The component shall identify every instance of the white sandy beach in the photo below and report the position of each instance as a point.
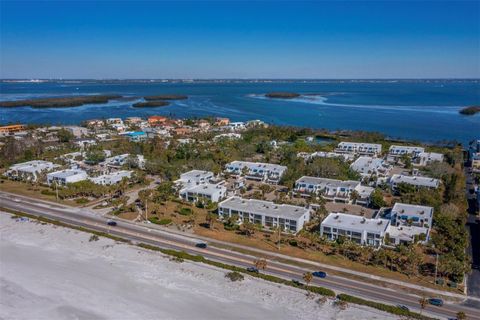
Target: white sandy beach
(49, 272)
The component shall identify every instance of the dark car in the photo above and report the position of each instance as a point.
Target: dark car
(252, 269)
(319, 274)
(112, 223)
(401, 306)
(435, 302)
(202, 245)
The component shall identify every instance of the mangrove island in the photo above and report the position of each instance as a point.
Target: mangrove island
(470, 111)
(282, 95)
(150, 104)
(166, 97)
(60, 102)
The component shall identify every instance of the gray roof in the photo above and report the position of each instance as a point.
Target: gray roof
(266, 208)
(66, 173)
(415, 180)
(412, 210)
(258, 165)
(207, 188)
(355, 223)
(323, 182)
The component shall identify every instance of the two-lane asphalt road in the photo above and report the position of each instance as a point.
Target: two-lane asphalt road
(142, 233)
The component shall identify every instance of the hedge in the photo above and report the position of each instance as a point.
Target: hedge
(383, 307)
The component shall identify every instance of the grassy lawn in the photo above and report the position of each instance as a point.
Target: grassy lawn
(29, 190)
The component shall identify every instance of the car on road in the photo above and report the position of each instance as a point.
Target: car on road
(112, 223)
(401, 306)
(202, 245)
(17, 200)
(319, 274)
(252, 269)
(435, 302)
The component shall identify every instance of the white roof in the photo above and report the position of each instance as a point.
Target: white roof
(66, 173)
(33, 166)
(207, 188)
(324, 182)
(368, 165)
(374, 146)
(266, 208)
(415, 180)
(405, 149)
(433, 156)
(412, 210)
(258, 166)
(406, 233)
(355, 223)
(195, 175)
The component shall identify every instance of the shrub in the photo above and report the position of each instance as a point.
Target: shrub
(47, 192)
(81, 200)
(185, 211)
(162, 222)
(93, 237)
(235, 276)
(382, 307)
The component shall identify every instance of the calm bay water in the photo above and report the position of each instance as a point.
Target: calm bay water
(425, 111)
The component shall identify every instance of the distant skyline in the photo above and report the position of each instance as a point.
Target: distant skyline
(202, 40)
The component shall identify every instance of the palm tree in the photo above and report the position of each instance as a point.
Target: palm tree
(423, 303)
(210, 219)
(307, 277)
(260, 264)
(461, 315)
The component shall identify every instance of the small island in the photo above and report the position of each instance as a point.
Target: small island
(282, 95)
(470, 111)
(150, 104)
(62, 102)
(166, 97)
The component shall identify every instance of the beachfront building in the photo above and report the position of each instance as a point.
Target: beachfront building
(268, 214)
(372, 149)
(236, 126)
(63, 177)
(396, 152)
(195, 185)
(133, 120)
(427, 158)
(410, 214)
(358, 229)
(84, 143)
(137, 136)
(222, 122)
(5, 130)
(111, 121)
(368, 167)
(30, 170)
(341, 191)
(416, 181)
(264, 172)
(111, 178)
(322, 154)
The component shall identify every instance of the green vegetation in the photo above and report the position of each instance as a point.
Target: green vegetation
(74, 101)
(166, 97)
(383, 307)
(64, 135)
(234, 276)
(149, 104)
(159, 221)
(185, 211)
(282, 95)
(469, 111)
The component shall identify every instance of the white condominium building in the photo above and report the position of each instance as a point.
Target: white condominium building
(398, 151)
(111, 178)
(360, 148)
(197, 184)
(368, 166)
(66, 176)
(30, 170)
(334, 190)
(426, 158)
(418, 182)
(265, 172)
(355, 228)
(268, 214)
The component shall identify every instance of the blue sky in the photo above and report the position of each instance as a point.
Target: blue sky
(227, 39)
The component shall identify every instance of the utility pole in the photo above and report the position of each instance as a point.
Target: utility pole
(436, 267)
(56, 189)
(279, 232)
(146, 208)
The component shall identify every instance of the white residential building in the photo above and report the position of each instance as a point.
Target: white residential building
(321, 154)
(111, 121)
(410, 214)
(111, 178)
(230, 135)
(197, 184)
(268, 214)
(355, 228)
(417, 181)
(359, 148)
(334, 190)
(265, 172)
(236, 126)
(63, 177)
(426, 158)
(405, 234)
(368, 166)
(29, 170)
(396, 152)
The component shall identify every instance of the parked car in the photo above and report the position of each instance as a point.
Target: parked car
(319, 274)
(252, 269)
(435, 302)
(202, 245)
(401, 306)
(112, 223)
